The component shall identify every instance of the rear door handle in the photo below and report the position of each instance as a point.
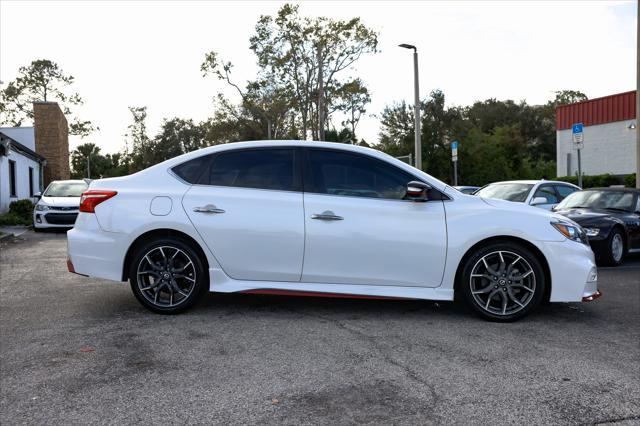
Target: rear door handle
(209, 208)
(326, 215)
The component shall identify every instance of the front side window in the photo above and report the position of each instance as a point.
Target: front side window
(517, 192)
(548, 193)
(254, 168)
(565, 190)
(354, 175)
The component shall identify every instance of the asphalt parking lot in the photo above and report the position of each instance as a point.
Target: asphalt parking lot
(76, 350)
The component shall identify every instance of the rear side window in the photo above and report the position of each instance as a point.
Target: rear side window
(258, 168)
(354, 175)
(191, 170)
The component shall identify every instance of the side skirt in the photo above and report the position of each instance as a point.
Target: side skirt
(221, 283)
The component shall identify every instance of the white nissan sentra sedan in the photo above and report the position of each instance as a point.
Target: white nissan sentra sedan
(295, 217)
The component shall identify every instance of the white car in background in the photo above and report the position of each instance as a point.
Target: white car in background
(58, 205)
(316, 218)
(545, 194)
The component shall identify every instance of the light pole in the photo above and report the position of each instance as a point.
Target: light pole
(416, 106)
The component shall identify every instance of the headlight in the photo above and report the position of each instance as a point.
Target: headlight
(572, 232)
(41, 207)
(592, 232)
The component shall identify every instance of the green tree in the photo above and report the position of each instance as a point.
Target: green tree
(41, 81)
(283, 99)
(137, 137)
(353, 100)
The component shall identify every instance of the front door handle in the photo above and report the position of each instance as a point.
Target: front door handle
(326, 215)
(209, 208)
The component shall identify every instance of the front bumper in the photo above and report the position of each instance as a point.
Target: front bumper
(573, 271)
(54, 219)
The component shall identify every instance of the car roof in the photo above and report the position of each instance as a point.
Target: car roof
(613, 189)
(68, 181)
(438, 184)
(533, 182)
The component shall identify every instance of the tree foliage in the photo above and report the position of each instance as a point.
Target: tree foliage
(41, 81)
(498, 140)
(290, 50)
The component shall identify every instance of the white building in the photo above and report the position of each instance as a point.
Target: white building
(609, 130)
(32, 157)
(20, 165)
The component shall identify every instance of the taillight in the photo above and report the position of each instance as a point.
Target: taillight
(91, 199)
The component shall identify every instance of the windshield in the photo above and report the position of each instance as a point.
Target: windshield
(619, 200)
(65, 189)
(506, 191)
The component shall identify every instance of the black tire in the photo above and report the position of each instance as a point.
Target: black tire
(180, 290)
(512, 292)
(610, 255)
(38, 229)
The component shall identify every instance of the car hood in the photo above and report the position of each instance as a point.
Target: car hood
(522, 208)
(61, 201)
(586, 216)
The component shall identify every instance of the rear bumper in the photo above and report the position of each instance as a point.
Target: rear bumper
(94, 252)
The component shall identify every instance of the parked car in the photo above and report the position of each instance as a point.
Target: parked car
(610, 218)
(295, 217)
(58, 205)
(467, 189)
(540, 193)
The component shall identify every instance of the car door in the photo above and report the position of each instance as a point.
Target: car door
(360, 230)
(248, 209)
(549, 193)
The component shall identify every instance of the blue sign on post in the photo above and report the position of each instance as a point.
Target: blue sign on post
(578, 135)
(454, 150)
(577, 128)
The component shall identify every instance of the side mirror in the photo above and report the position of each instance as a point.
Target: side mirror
(417, 191)
(539, 200)
(37, 195)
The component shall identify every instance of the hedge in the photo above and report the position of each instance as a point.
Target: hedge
(605, 180)
(20, 213)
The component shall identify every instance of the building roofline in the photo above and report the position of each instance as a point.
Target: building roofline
(24, 149)
(596, 99)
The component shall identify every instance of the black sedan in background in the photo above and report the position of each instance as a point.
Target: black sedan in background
(611, 219)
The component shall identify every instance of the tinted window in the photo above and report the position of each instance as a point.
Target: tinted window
(354, 175)
(191, 170)
(259, 168)
(547, 192)
(517, 192)
(565, 190)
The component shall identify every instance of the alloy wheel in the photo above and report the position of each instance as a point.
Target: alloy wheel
(502, 283)
(617, 247)
(166, 276)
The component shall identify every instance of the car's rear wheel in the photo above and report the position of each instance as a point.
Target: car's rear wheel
(502, 281)
(167, 275)
(615, 248)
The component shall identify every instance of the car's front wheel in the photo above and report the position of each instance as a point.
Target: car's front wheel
(502, 281)
(615, 248)
(167, 275)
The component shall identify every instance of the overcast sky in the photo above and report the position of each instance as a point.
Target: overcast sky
(149, 53)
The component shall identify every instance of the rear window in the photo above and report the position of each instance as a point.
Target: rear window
(191, 170)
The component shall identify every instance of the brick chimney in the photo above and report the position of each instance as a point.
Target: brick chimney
(51, 133)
